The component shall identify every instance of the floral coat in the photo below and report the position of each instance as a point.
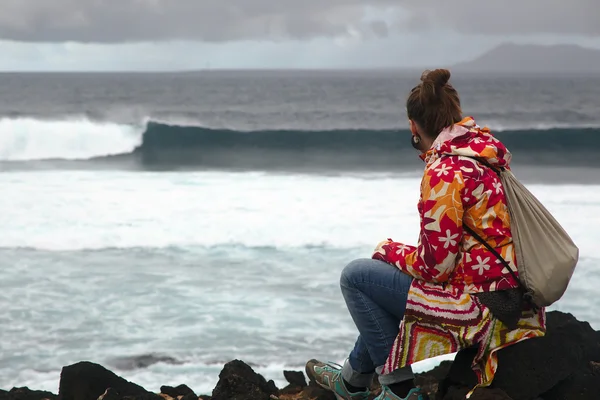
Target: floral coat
(449, 265)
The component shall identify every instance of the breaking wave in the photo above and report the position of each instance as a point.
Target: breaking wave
(158, 144)
(25, 139)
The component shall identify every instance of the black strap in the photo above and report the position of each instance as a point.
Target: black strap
(480, 239)
(527, 295)
(493, 251)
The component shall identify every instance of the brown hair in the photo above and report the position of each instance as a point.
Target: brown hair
(434, 103)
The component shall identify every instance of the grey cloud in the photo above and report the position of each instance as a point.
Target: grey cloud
(507, 17)
(110, 21)
(380, 28)
(208, 20)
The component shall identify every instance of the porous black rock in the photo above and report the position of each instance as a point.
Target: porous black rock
(88, 381)
(181, 390)
(238, 381)
(535, 367)
(24, 393)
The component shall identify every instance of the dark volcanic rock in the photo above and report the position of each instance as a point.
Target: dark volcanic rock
(24, 393)
(110, 394)
(563, 365)
(460, 377)
(490, 394)
(429, 381)
(238, 381)
(536, 366)
(295, 378)
(296, 381)
(582, 385)
(452, 392)
(87, 381)
(181, 390)
(311, 392)
(459, 393)
(145, 396)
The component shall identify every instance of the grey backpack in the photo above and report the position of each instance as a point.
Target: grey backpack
(546, 255)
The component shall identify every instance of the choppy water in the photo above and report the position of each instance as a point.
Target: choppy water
(205, 267)
(208, 264)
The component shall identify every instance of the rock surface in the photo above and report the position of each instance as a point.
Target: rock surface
(563, 365)
(89, 381)
(238, 381)
(25, 393)
(175, 392)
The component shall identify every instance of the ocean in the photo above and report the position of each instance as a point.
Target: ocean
(164, 224)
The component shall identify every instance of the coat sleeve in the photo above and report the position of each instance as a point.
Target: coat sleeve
(441, 213)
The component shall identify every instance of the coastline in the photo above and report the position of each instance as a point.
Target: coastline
(563, 365)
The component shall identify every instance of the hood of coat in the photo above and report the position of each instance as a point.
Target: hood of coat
(466, 138)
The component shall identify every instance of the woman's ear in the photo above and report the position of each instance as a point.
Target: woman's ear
(413, 127)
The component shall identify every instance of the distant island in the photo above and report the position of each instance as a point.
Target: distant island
(516, 58)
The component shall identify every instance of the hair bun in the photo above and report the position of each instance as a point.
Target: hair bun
(438, 77)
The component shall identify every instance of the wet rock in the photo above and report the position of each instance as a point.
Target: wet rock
(88, 381)
(24, 393)
(534, 367)
(238, 381)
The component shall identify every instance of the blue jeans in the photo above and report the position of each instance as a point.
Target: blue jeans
(376, 294)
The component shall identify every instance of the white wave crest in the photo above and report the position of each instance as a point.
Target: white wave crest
(24, 139)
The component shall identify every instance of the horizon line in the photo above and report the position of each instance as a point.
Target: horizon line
(459, 69)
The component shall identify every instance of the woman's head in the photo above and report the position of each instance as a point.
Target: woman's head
(432, 105)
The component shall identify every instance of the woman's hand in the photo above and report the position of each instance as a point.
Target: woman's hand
(378, 248)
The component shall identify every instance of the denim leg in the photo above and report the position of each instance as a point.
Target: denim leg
(359, 369)
(375, 294)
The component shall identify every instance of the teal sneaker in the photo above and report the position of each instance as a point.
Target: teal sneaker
(329, 376)
(414, 394)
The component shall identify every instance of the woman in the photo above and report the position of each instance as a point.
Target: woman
(449, 292)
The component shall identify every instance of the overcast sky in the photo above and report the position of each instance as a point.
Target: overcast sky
(190, 34)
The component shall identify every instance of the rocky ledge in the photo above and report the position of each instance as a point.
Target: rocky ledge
(563, 365)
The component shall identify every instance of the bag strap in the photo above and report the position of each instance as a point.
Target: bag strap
(497, 170)
(484, 242)
(493, 251)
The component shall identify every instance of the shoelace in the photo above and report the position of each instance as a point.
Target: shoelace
(332, 364)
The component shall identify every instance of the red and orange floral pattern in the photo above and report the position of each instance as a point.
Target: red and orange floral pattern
(448, 264)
